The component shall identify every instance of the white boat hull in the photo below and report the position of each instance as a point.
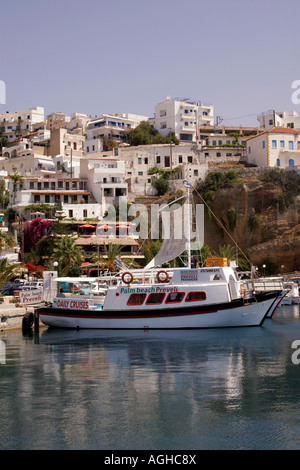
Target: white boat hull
(232, 314)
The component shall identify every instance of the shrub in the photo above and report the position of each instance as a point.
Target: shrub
(231, 215)
(254, 221)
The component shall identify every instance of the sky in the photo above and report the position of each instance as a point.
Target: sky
(97, 56)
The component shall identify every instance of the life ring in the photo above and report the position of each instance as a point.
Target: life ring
(162, 276)
(242, 290)
(125, 277)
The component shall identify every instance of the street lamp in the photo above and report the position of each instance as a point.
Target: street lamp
(264, 270)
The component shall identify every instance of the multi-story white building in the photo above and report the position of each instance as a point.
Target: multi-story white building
(278, 146)
(21, 122)
(109, 126)
(186, 160)
(289, 119)
(106, 179)
(183, 117)
(71, 194)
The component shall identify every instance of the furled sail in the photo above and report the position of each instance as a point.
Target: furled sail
(177, 234)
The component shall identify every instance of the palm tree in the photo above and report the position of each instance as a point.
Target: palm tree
(231, 253)
(8, 271)
(6, 241)
(17, 180)
(67, 254)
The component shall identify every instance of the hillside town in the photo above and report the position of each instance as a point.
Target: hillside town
(75, 167)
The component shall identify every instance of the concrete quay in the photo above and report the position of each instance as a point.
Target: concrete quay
(11, 315)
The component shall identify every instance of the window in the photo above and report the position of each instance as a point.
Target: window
(139, 161)
(194, 296)
(136, 299)
(278, 162)
(190, 159)
(298, 145)
(282, 144)
(47, 198)
(84, 213)
(180, 159)
(46, 185)
(264, 144)
(249, 149)
(270, 122)
(155, 298)
(274, 144)
(291, 145)
(158, 159)
(291, 162)
(70, 214)
(174, 297)
(31, 185)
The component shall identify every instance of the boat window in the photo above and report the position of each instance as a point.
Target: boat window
(217, 277)
(193, 296)
(155, 298)
(136, 299)
(175, 297)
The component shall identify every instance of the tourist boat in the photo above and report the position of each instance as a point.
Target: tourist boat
(155, 298)
(165, 299)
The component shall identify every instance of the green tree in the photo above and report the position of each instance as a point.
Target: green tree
(145, 134)
(231, 253)
(8, 270)
(6, 241)
(67, 254)
(3, 140)
(4, 195)
(112, 252)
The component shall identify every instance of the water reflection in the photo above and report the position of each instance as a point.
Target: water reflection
(209, 389)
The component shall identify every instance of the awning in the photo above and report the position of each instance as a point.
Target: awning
(86, 226)
(105, 227)
(46, 162)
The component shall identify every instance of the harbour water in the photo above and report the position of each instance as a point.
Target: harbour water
(154, 390)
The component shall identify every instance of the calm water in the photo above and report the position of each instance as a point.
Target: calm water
(155, 390)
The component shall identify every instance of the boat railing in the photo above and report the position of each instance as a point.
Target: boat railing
(263, 285)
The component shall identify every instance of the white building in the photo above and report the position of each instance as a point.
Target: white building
(72, 194)
(186, 159)
(278, 146)
(223, 145)
(109, 126)
(183, 117)
(106, 179)
(21, 122)
(289, 119)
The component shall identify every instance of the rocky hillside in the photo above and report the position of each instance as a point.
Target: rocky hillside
(261, 213)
